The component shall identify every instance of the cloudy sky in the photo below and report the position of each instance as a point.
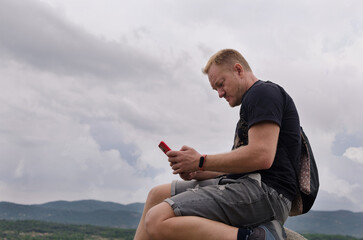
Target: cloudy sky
(88, 89)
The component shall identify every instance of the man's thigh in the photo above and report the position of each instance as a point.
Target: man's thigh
(179, 186)
(241, 203)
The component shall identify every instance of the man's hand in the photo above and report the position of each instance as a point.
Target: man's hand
(184, 161)
(200, 175)
(188, 176)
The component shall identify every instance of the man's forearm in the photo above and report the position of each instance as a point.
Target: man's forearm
(232, 162)
(257, 155)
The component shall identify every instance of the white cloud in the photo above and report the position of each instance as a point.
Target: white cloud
(355, 154)
(335, 185)
(340, 189)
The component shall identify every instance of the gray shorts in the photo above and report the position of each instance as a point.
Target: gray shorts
(243, 202)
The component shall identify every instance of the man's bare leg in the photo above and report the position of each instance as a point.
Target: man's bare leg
(161, 223)
(156, 196)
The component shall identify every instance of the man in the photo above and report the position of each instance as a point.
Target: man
(261, 181)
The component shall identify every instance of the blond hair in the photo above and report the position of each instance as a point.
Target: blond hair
(227, 57)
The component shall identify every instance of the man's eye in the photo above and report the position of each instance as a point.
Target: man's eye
(221, 83)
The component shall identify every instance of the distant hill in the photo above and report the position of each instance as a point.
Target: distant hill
(78, 212)
(112, 214)
(328, 222)
(92, 205)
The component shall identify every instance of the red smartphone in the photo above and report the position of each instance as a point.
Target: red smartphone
(164, 147)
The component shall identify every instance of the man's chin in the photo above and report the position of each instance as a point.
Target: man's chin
(233, 104)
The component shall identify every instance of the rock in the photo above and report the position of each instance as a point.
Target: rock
(291, 235)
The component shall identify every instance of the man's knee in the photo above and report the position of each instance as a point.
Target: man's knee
(154, 220)
(159, 193)
(152, 223)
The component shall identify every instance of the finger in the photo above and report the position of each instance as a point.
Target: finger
(172, 160)
(185, 176)
(177, 171)
(172, 153)
(184, 148)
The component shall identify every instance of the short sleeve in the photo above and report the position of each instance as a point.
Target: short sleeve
(264, 103)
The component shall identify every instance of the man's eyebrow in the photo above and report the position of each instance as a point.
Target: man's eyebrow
(215, 84)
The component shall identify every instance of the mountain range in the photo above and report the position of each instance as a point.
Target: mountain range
(108, 214)
(112, 214)
(328, 222)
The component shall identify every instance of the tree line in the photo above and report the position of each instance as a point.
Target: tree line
(38, 230)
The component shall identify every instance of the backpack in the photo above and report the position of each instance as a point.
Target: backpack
(308, 179)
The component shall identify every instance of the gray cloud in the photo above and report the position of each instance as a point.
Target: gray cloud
(85, 98)
(37, 35)
(331, 202)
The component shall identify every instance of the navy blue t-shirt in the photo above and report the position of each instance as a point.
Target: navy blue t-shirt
(267, 101)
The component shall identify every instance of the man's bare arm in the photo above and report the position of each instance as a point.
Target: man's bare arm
(258, 154)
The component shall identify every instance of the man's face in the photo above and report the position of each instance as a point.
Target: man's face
(227, 82)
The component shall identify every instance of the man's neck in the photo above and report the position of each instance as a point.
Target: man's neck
(250, 79)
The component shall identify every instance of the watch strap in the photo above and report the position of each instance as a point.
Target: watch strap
(202, 162)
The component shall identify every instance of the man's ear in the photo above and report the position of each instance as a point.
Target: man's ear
(238, 68)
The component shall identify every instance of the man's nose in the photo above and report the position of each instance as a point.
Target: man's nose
(221, 92)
